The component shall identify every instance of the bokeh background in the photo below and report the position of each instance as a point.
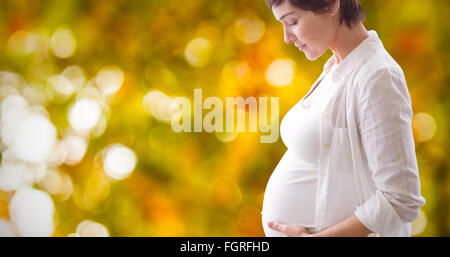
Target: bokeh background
(86, 90)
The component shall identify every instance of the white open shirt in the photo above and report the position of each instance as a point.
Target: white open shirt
(366, 129)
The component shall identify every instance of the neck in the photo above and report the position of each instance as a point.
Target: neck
(346, 40)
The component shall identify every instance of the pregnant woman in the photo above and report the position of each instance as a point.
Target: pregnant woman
(350, 168)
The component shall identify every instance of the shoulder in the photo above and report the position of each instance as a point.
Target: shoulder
(379, 72)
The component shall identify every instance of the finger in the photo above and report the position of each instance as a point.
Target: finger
(295, 230)
(277, 226)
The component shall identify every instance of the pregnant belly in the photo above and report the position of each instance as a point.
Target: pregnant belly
(290, 197)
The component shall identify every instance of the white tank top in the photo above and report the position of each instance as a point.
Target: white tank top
(290, 195)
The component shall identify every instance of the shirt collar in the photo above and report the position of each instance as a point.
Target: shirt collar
(357, 55)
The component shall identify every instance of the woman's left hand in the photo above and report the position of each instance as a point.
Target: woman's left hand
(289, 230)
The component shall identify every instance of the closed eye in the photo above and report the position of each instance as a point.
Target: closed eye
(293, 23)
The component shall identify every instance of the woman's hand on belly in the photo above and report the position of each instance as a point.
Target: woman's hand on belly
(289, 230)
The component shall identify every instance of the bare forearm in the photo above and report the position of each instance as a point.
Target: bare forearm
(350, 227)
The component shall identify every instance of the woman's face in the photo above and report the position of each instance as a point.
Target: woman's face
(311, 33)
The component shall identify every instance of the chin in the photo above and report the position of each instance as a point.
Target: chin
(312, 56)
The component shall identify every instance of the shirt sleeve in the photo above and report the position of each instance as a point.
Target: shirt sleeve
(384, 121)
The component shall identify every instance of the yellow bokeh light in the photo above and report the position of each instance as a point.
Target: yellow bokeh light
(58, 184)
(226, 136)
(236, 73)
(63, 43)
(35, 94)
(119, 161)
(62, 87)
(198, 52)
(88, 228)
(419, 225)
(109, 79)
(52, 182)
(18, 41)
(280, 72)
(95, 191)
(84, 114)
(249, 29)
(160, 106)
(75, 146)
(32, 211)
(424, 126)
(75, 75)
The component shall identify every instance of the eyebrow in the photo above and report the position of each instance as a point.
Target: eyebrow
(282, 17)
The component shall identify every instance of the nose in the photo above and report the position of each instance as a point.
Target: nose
(289, 37)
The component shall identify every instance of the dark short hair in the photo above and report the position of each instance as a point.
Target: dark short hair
(351, 11)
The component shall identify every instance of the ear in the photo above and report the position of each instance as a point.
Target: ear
(334, 8)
